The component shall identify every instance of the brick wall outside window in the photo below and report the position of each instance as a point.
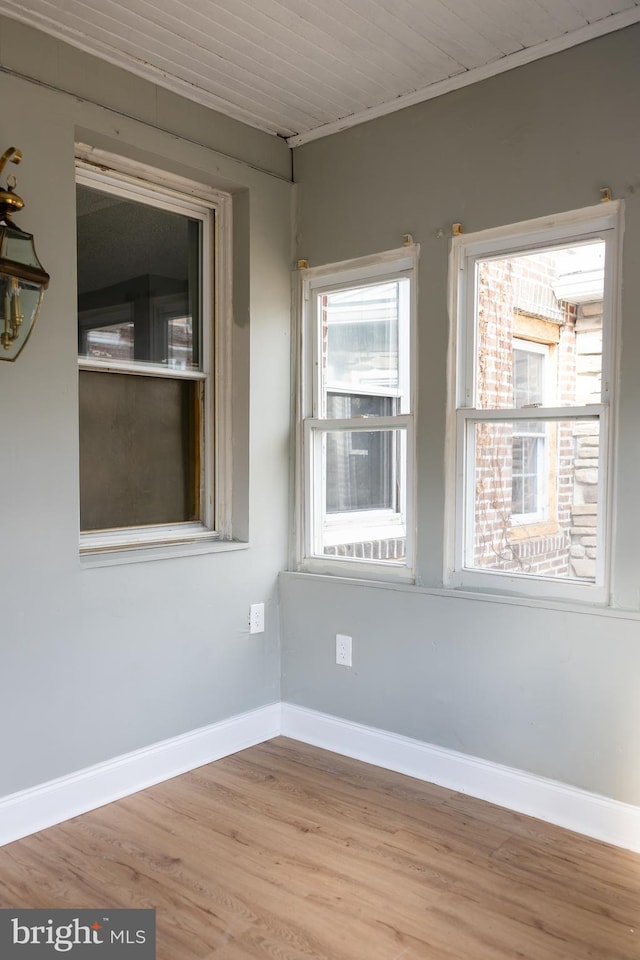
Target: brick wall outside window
(515, 299)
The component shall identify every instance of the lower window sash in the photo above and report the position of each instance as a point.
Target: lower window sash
(358, 504)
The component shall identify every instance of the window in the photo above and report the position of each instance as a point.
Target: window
(148, 448)
(529, 476)
(358, 405)
(530, 468)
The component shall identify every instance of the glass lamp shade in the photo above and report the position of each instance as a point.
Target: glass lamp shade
(22, 284)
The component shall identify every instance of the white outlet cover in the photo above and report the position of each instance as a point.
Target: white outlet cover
(256, 618)
(343, 650)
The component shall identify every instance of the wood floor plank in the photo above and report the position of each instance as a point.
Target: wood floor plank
(340, 798)
(288, 852)
(518, 824)
(319, 867)
(556, 910)
(281, 877)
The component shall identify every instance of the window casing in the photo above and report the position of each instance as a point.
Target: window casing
(151, 301)
(531, 404)
(356, 437)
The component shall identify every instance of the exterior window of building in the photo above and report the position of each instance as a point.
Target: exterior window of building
(529, 477)
(358, 405)
(146, 266)
(534, 328)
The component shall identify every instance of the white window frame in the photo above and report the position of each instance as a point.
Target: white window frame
(137, 181)
(604, 221)
(312, 423)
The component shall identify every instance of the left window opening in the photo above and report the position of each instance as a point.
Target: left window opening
(144, 286)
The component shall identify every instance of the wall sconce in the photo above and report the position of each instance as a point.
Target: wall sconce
(22, 278)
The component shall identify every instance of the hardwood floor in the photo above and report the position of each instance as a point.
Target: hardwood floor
(288, 852)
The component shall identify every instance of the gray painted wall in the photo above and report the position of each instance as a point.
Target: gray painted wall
(96, 662)
(552, 691)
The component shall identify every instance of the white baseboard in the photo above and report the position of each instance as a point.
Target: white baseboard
(559, 803)
(49, 803)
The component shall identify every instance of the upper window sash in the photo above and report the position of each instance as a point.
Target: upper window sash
(597, 223)
(171, 201)
(321, 383)
(316, 281)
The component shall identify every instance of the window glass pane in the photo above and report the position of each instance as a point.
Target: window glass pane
(360, 329)
(361, 471)
(528, 378)
(139, 443)
(364, 494)
(113, 341)
(554, 300)
(344, 405)
(138, 272)
(533, 507)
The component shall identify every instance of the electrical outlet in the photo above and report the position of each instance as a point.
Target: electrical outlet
(256, 618)
(343, 650)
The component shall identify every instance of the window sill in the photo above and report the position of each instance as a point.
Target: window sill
(147, 553)
(603, 609)
(543, 589)
(344, 568)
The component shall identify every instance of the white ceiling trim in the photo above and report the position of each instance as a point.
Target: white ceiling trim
(142, 69)
(616, 21)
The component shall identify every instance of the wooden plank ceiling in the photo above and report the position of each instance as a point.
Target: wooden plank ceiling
(304, 68)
